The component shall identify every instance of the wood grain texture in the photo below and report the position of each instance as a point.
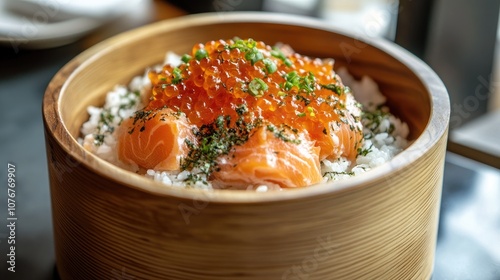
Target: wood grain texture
(110, 222)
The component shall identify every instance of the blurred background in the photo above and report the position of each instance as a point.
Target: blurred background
(459, 39)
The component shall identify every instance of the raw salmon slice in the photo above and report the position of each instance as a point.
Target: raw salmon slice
(270, 157)
(342, 137)
(154, 139)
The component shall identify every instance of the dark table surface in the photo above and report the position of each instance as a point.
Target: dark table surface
(468, 245)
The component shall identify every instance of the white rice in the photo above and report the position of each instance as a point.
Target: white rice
(383, 139)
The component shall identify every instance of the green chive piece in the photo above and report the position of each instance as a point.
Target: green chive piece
(257, 87)
(254, 55)
(239, 44)
(308, 82)
(177, 75)
(270, 65)
(276, 52)
(292, 79)
(243, 45)
(200, 54)
(288, 85)
(186, 58)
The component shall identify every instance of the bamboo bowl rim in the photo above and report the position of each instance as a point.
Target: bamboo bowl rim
(55, 126)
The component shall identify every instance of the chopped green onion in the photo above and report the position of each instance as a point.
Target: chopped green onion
(254, 55)
(186, 58)
(200, 54)
(276, 52)
(257, 87)
(288, 85)
(238, 44)
(251, 43)
(308, 83)
(243, 45)
(292, 79)
(177, 75)
(270, 65)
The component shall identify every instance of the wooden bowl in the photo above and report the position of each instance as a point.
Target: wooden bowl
(111, 223)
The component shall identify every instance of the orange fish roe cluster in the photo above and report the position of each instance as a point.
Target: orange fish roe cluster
(221, 77)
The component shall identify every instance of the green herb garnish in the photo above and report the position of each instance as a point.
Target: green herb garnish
(177, 77)
(308, 82)
(364, 152)
(305, 84)
(242, 109)
(186, 58)
(334, 87)
(257, 87)
(200, 54)
(331, 174)
(303, 99)
(270, 65)
(214, 140)
(243, 45)
(282, 133)
(276, 52)
(98, 139)
(254, 55)
(291, 79)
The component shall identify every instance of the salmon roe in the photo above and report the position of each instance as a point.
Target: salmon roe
(272, 84)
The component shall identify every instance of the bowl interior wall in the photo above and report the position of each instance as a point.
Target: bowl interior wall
(407, 96)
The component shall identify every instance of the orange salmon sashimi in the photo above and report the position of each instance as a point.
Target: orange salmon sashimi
(268, 159)
(154, 139)
(343, 138)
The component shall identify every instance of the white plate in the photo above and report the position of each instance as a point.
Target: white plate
(50, 23)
